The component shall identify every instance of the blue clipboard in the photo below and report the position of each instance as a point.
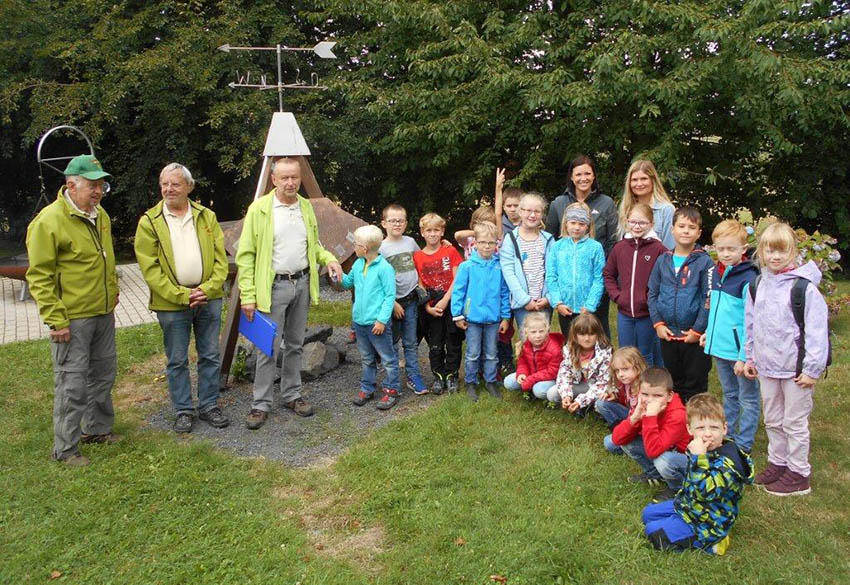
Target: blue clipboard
(260, 331)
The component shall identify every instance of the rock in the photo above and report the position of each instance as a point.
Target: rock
(340, 349)
(312, 359)
(318, 333)
(331, 360)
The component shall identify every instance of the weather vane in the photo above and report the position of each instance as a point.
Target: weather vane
(322, 49)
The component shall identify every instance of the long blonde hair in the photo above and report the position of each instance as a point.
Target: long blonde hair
(659, 194)
(627, 355)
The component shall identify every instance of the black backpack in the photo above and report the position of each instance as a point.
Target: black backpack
(798, 308)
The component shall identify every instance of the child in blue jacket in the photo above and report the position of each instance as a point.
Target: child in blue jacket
(725, 338)
(678, 287)
(481, 307)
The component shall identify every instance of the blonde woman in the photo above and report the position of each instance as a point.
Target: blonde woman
(644, 186)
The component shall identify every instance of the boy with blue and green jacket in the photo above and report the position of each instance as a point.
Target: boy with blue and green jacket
(725, 337)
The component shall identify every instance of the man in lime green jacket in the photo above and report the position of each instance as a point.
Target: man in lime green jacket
(180, 249)
(73, 281)
(278, 257)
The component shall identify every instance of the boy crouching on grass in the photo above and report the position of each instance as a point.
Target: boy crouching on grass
(481, 306)
(655, 434)
(704, 510)
(373, 281)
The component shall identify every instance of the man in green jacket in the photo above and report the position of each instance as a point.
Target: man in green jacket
(73, 281)
(180, 249)
(278, 258)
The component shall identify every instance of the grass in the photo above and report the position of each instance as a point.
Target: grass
(455, 494)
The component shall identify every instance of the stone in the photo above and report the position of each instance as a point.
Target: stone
(331, 360)
(340, 349)
(318, 333)
(312, 359)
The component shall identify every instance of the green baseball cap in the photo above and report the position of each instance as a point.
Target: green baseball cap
(87, 166)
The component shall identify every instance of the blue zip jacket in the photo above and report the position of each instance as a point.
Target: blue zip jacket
(679, 300)
(375, 291)
(725, 336)
(574, 273)
(513, 272)
(480, 293)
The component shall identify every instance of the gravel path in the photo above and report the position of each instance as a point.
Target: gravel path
(299, 441)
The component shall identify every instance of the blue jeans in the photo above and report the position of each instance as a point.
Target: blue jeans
(481, 338)
(176, 328)
(406, 330)
(371, 346)
(545, 389)
(612, 412)
(608, 442)
(670, 466)
(639, 332)
(741, 404)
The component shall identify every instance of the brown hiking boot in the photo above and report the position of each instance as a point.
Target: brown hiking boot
(256, 419)
(300, 407)
(108, 438)
(770, 474)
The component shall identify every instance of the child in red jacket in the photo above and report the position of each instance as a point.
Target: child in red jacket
(655, 434)
(539, 358)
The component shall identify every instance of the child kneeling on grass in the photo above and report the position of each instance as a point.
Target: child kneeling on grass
(585, 370)
(373, 280)
(655, 434)
(627, 365)
(703, 512)
(539, 359)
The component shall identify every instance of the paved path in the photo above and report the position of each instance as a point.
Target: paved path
(21, 322)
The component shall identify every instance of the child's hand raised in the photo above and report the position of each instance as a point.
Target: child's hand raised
(500, 179)
(655, 406)
(696, 446)
(637, 413)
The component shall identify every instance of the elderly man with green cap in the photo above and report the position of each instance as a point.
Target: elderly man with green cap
(73, 280)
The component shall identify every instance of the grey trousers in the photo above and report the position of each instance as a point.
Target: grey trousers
(290, 302)
(83, 375)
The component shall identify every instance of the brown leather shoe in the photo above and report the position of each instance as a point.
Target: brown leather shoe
(256, 419)
(300, 406)
(109, 438)
(75, 460)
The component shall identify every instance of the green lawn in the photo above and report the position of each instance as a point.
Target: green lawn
(455, 494)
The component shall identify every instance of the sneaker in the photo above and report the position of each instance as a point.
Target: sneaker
(667, 493)
(719, 547)
(388, 400)
(451, 383)
(256, 419)
(790, 484)
(183, 423)
(472, 391)
(215, 418)
(770, 474)
(108, 438)
(437, 386)
(493, 390)
(362, 398)
(644, 477)
(416, 385)
(76, 460)
(300, 407)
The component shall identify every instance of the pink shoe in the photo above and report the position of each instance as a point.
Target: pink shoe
(770, 474)
(790, 484)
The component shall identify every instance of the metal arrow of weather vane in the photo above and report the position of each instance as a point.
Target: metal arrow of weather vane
(322, 49)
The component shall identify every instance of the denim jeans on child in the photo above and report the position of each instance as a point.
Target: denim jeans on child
(481, 341)
(371, 346)
(670, 466)
(544, 390)
(613, 412)
(639, 332)
(741, 404)
(177, 327)
(406, 330)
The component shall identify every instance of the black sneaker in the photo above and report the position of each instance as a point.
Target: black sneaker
(493, 390)
(451, 383)
(667, 493)
(438, 385)
(362, 398)
(644, 477)
(472, 391)
(215, 418)
(184, 423)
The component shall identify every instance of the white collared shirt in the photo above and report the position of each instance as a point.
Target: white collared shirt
(289, 253)
(90, 215)
(188, 263)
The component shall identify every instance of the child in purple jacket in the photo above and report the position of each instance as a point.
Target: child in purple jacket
(772, 348)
